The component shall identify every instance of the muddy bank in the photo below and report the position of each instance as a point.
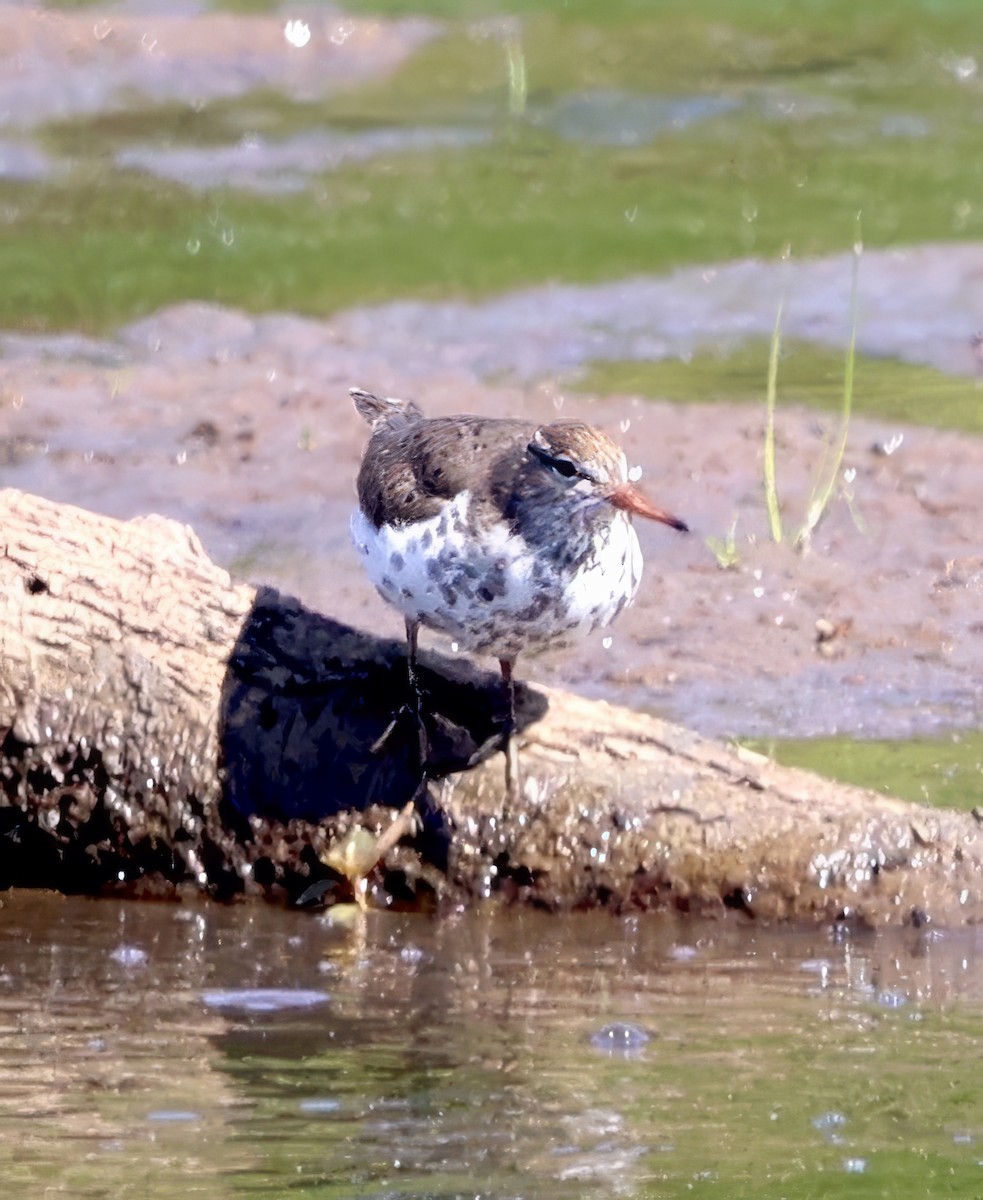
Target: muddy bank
(917, 304)
(241, 426)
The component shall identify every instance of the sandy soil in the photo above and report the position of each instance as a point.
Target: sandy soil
(242, 427)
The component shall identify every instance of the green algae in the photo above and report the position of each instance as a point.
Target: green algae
(809, 375)
(838, 111)
(945, 771)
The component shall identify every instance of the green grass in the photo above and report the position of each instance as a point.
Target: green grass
(809, 375)
(947, 772)
(792, 164)
(768, 457)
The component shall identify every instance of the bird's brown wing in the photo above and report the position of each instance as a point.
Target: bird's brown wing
(407, 473)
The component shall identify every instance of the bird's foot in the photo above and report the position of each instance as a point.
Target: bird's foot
(513, 774)
(401, 714)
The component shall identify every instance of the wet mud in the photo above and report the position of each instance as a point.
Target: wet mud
(242, 426)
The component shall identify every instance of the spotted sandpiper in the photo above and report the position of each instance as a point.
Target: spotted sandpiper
(509, 536)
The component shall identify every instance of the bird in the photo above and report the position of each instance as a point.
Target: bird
(510, 536)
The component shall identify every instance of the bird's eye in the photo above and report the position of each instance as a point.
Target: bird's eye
(562, 466)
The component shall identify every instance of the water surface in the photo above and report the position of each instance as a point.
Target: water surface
(168, 1050)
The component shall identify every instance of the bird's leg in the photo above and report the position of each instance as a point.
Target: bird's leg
(412, 629)
(416, 710)
(511, 747)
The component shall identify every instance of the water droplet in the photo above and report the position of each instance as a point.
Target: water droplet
(683, 953)
(607, 642)
(193, 245)
(343, 32)
(620, 1038)
(631, 214)
(319, 1104)
(828, 1121)
(263, 999)
(624, 425)
(297, 33)
(635, 474)
(228, 236)
(129, 956)
(962, 66)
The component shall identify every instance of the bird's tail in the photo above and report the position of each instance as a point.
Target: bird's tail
(383, 410)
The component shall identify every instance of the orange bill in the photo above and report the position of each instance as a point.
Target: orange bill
(628, 498)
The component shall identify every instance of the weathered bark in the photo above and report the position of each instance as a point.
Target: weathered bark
(161, 722)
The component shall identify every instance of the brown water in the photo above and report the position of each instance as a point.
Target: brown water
(186, 1050)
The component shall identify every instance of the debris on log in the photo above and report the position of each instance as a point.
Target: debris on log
(163, 725)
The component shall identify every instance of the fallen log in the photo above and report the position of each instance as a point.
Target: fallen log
(162, 724)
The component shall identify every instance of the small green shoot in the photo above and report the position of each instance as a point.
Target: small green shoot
(826, 478)
(518, 85)
(771, 486)
(822, 493)
(725, 550)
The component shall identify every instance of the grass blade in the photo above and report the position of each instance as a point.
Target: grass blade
(822, 495)
(771, 485)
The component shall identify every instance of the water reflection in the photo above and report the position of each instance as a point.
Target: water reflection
(462, 1057)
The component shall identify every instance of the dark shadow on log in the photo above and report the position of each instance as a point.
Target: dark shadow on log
(317, 721)
(307, 703)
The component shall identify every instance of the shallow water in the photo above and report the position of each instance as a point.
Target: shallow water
(170, 1050)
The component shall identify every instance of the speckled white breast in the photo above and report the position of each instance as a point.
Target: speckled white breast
(492, 592)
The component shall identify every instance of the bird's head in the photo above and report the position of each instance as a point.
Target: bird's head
(584, 463)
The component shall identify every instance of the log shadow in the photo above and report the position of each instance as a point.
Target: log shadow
(317, 721)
